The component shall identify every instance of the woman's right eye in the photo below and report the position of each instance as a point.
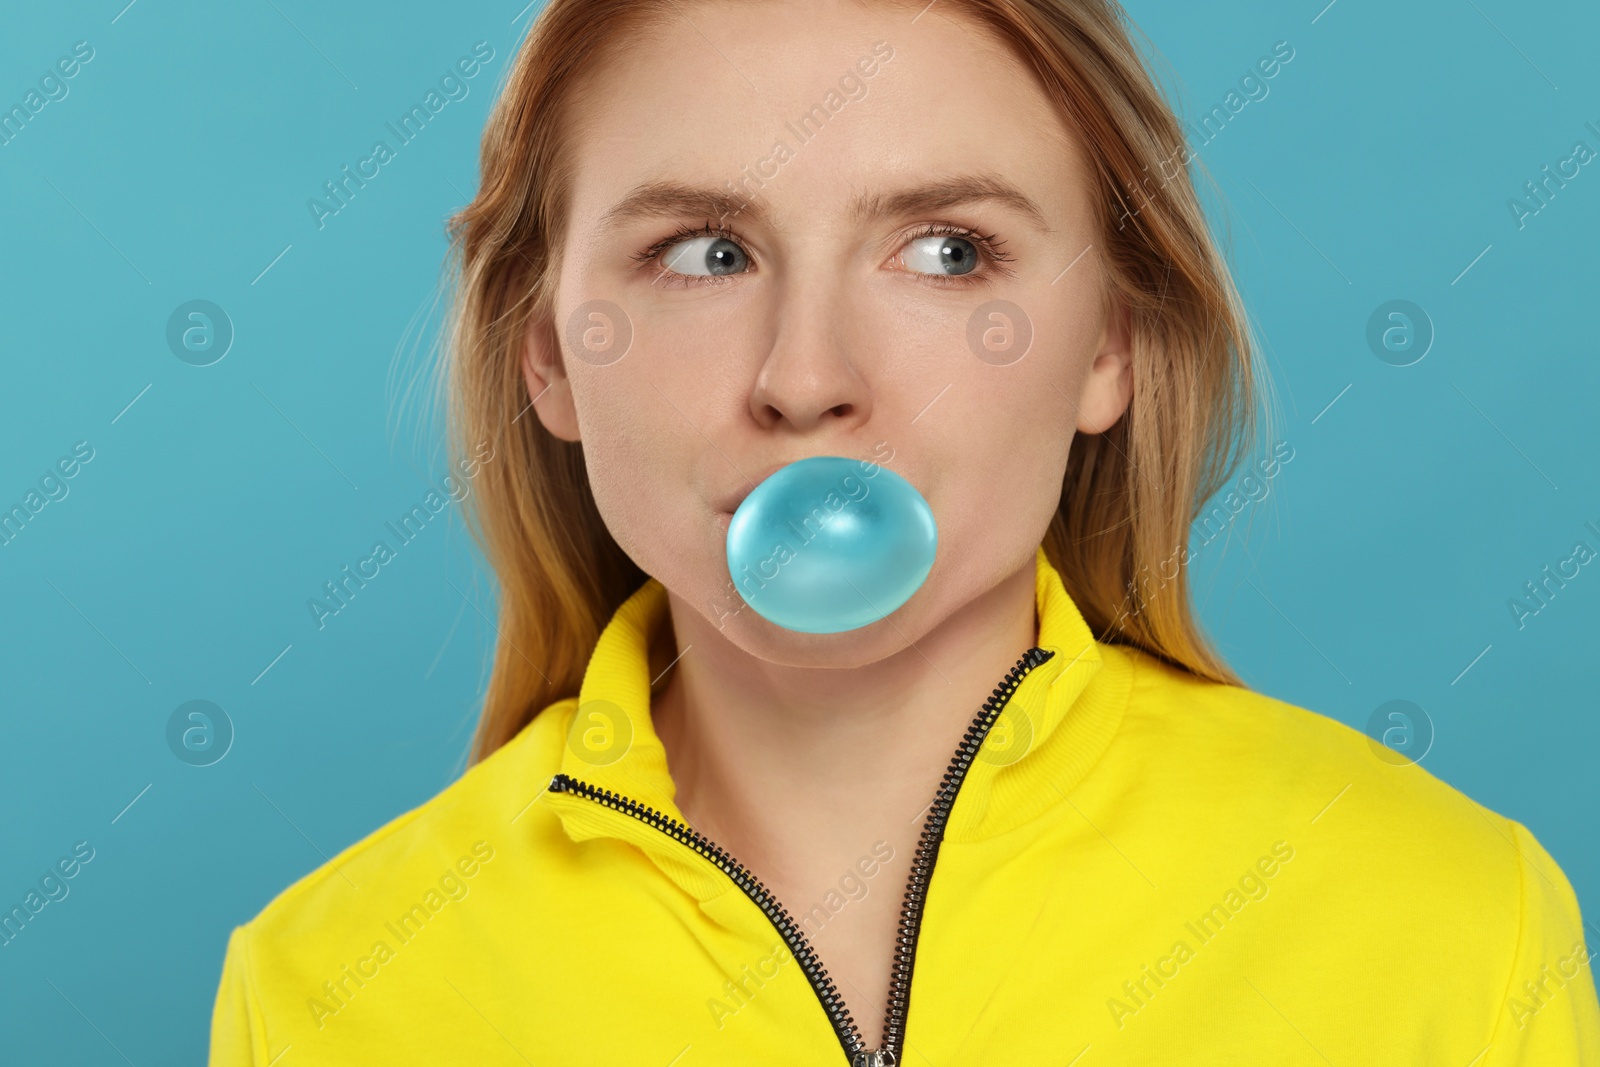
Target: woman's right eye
(709, 256)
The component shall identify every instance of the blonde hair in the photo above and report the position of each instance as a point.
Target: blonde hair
(1129, 494)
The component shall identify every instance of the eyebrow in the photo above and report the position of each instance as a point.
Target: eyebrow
(658, 198)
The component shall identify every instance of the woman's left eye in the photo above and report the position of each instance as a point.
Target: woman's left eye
(943, 254)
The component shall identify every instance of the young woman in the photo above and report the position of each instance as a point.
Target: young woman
(1027, 814)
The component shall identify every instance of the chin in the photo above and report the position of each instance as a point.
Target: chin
(758, 636)
(841, 651)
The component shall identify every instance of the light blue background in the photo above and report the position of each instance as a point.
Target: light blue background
(178, 567)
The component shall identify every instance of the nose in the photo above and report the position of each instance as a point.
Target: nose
(811, 373)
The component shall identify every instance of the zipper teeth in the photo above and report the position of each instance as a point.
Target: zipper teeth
(916, 888)
(894, 1023)
(832, 1003)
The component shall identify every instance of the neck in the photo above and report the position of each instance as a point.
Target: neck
(792, 768)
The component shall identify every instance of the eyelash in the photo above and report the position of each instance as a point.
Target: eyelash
(990, 247)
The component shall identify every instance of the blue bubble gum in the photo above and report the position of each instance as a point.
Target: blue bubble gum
(829, 544)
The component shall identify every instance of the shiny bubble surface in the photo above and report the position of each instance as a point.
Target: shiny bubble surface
(829, 544)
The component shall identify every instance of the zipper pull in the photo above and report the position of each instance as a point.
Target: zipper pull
(880, 1058)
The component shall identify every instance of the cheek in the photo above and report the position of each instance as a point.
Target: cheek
(633, 449)
(1007, 470)
(1004, 435)
(1002, 447)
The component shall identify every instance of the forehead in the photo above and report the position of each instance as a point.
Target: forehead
(820, 105)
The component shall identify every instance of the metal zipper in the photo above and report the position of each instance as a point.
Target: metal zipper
(894, 1025)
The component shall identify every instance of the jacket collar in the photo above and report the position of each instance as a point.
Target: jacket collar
(1060, 718)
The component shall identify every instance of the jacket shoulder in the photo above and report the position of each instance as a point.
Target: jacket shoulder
(1392, 867)
(1372, 821)
(1283, 751)
(450, 827)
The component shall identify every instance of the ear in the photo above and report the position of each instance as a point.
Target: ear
(1108, 389)
(549, 388)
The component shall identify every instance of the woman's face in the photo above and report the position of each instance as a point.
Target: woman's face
(872, 185)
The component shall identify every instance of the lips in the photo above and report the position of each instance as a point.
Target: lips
(733, 498)
(729, 502)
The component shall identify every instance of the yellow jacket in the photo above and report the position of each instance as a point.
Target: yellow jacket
(1138, 867)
